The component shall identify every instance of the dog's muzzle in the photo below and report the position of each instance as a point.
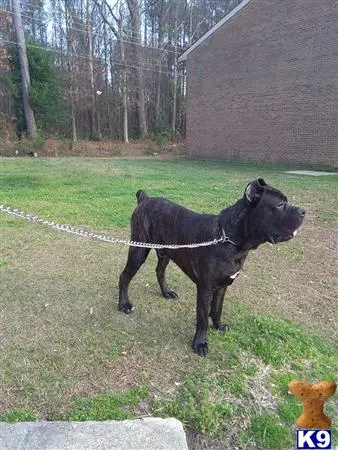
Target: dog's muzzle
(298, 217)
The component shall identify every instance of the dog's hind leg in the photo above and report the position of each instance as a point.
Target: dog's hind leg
(163, 261)
(216, 309)
(136, 257)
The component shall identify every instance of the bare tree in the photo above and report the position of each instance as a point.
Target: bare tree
(124, 81)
(33, 10)
(95, 122)
(24, 69)
(174, 113)
(116, 26)
(134, 9)
(117, 69)
(163, 9)
(70, 73)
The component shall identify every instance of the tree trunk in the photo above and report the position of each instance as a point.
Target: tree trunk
(93, 114)
(71, 75)
(159, 73)
(106, 82)
(125, 108)
(141, 103)
(134, 9)
(173, 123)
(124, 90)
(24, 70)
(74, 133)
(116, 28)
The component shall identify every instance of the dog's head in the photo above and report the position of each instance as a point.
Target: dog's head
(272, 217)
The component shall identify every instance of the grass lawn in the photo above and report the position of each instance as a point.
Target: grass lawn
(66, 352)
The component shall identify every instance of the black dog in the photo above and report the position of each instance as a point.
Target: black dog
(262, 215)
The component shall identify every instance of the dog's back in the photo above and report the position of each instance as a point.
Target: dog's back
(159, 220)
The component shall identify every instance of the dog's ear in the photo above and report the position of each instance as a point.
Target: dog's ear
(254, 190)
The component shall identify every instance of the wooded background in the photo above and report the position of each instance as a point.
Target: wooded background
(98, 69)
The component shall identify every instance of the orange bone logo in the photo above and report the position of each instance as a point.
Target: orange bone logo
(313, 397)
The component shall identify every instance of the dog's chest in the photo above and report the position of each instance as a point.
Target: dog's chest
(234, 276)
(226, 271)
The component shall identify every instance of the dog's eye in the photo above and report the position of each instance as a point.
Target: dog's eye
(280, 205)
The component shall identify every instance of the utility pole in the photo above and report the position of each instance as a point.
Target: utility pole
(24, 71)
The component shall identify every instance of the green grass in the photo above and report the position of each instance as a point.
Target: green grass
(200, 404)
(107, 406)
(86, 193)
(18, 415)
(277, 342)
(268, 431)
(207, 400)
(66, 351)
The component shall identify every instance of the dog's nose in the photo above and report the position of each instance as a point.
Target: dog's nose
(301, 212)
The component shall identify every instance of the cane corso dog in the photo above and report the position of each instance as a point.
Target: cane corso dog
(263, 214)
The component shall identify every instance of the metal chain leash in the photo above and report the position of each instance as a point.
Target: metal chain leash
(110, 239)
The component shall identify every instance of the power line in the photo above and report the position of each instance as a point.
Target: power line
(7, 11)
(99, 34)
(120, 63)
(60, 11)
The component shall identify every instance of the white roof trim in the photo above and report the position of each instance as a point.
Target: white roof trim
(241, 5)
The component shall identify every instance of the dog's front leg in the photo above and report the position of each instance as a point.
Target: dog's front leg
(216, 310)
(204, 297)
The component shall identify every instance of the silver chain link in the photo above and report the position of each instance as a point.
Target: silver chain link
(110, 239)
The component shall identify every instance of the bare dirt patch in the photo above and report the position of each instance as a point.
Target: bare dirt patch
(67, 148)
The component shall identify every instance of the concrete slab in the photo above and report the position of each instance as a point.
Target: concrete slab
(138, 434)
(312, 173)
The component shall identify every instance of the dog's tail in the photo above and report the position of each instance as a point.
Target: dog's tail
(141, 195)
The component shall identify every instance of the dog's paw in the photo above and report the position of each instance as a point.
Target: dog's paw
(170, 294)
(223, 327)
(200, 348)
(127, 308)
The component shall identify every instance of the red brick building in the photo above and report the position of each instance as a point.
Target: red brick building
(262, 85)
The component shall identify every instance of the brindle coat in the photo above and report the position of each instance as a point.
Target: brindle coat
(262, 215)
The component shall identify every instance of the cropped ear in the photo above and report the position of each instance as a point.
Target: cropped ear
(254, 190)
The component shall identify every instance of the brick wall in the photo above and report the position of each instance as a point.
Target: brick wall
(264, 86)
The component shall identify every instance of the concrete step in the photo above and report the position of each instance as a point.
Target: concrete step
(138, 434)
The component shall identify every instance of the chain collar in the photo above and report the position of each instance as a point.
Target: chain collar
(113, 240)
(227, 239)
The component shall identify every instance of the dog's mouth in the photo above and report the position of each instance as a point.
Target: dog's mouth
(289, 225)
(276, 239)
